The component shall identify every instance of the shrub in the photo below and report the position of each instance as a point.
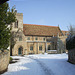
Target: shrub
(11, 58)
(70, 42)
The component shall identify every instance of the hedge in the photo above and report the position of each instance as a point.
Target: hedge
(70, 44)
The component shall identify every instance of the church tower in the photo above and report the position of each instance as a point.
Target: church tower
(17, 35)
(18, 25)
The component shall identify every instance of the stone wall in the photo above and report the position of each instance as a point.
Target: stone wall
(4, 61)
(71, 56)
(41, 41)
(35, 48)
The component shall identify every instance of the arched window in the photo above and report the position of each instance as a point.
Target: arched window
(16, 24)
(48, 47)
(20, 38)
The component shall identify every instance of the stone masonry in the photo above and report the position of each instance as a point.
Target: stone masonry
(4, 61)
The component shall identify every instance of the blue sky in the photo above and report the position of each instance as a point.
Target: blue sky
(46, 12)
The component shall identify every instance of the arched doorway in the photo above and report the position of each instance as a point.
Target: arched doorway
(20, 50)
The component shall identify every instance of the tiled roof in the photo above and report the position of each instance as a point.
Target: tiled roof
(65, 32)
(40, 30)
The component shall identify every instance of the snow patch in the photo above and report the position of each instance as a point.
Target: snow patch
(41, 64)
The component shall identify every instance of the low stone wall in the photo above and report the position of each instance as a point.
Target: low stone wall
(51, 51)
(71, 56)
(4, 61)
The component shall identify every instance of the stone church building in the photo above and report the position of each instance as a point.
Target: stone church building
(34, 39)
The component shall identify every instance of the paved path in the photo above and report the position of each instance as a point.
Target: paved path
(46, 70)
(27, 66)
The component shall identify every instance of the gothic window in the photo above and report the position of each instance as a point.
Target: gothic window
(40, 47)
(20, 38)
(16, 24)
(48, 47)
(31, 48)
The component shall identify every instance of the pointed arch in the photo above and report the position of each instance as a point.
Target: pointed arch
(20, 50)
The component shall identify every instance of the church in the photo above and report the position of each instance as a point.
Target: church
(34, 39)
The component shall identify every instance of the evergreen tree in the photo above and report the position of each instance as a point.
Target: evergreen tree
(6, 19)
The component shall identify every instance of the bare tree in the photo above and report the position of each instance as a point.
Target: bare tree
(70, 41)
(72, 29)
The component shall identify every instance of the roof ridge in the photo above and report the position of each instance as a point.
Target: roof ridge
(40, 25)
(64, 30)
